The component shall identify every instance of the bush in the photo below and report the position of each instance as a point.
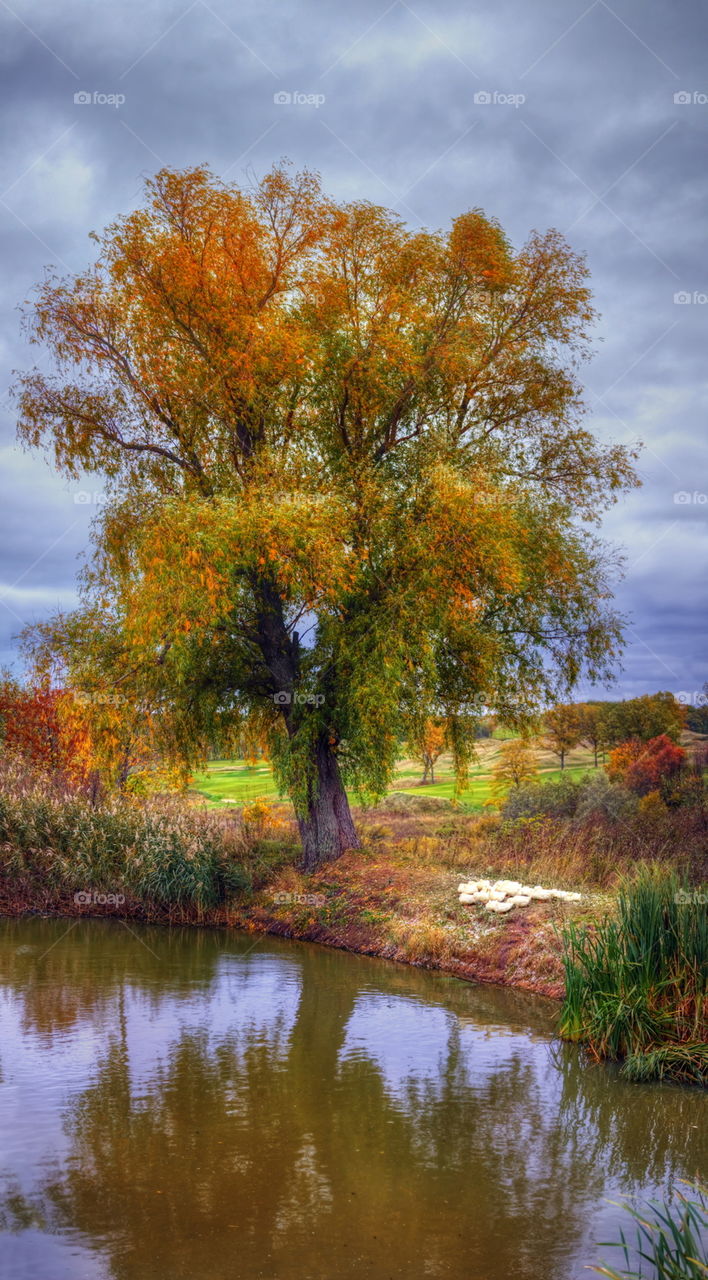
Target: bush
(644, 766)
(400, 802)
(683, 790)
(600, 797)
(592, 796)
(555, 799)
(157, 851)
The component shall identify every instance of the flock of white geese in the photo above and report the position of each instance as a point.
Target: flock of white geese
(504, 895)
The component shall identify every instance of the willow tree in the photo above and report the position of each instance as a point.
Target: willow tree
(348, 481)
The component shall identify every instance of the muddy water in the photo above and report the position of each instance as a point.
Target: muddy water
(186, 1105)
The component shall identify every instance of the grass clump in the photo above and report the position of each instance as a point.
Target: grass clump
(159, 850)
(670, 1240)
(635, 985)
(687, 1062)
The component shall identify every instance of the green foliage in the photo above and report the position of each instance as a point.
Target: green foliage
(636, 984)
(570, 797)
(516, 765)
(558, 798)
(641, 718)
(600, 797)
(697, 718)
(671, 1240)
(562, 729)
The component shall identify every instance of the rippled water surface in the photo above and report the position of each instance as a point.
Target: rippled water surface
(187, 1105)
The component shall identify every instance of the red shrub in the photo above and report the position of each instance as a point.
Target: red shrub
(643, 766)
(45, 727)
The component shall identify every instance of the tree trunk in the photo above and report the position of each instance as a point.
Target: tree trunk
(327, 829)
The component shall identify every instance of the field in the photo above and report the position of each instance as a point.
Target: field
(234, 782)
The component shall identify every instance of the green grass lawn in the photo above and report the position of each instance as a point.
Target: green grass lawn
(480, 787)
(232, 782)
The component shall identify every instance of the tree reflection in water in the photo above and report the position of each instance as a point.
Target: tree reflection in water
(279, 1110)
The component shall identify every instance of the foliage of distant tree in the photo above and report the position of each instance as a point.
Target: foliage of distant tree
(427, 744)
(643, 718)
(592, 728)
(45, 726)
(516, 764)
(562, 730)
(644, 766)
(601, 725)
(697, 717)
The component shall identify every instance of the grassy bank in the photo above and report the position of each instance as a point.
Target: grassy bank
(165, 860)
(158, 858)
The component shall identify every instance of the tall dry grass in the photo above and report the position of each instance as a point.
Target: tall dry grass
(594, 851)
(158, 850)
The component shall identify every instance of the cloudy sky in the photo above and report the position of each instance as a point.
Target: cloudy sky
(588, 117)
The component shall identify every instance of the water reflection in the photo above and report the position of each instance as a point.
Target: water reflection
(187, 1104)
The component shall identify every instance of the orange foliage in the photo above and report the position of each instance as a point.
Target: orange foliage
(46, 726)
(642, 766)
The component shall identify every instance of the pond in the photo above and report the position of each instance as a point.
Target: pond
(200, 1105)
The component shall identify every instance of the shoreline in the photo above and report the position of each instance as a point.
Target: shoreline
(516, 953)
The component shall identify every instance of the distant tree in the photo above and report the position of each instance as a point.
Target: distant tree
(427, 745)
(253, 746)
(697, 719)
(46, 727)
(697, 716)
(516, 764)
(645, 766)
(485, 727)
(592, 727)
(561, 730)
(644, 718)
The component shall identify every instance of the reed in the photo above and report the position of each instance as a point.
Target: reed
(161, 851)
(635, 985)
(670, 1239)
